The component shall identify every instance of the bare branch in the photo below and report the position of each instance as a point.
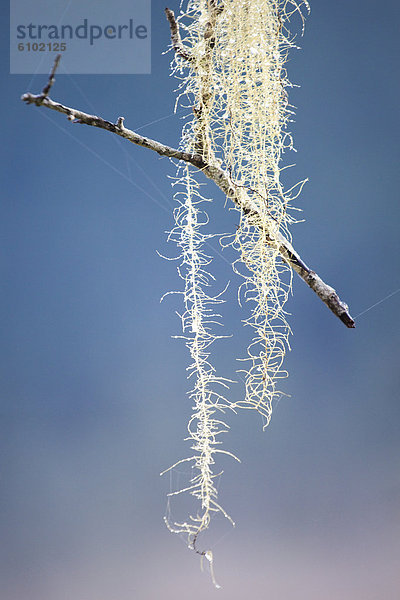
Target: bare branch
(77, 116)
(52, 77)
(220, 177)
(176, 37)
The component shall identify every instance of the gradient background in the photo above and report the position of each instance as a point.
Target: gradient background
(93, 401)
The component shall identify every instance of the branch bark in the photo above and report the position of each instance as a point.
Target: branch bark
(220, 177)
(176, 36)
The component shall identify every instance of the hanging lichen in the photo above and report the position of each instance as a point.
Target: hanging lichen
(230, 63)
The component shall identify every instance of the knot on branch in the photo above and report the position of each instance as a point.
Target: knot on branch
(120, 123)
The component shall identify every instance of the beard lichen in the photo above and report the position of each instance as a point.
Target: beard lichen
(231, 73)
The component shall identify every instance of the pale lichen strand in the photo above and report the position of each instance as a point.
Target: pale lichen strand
(198, 322)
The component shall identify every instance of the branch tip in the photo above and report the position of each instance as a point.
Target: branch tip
(52, 77)
(176, 41)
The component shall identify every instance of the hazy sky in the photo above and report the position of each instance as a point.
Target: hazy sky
(93, 402)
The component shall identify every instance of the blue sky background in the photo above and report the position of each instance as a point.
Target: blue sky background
(93, 401)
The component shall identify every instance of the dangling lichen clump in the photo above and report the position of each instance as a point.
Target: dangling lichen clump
(232, 72)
